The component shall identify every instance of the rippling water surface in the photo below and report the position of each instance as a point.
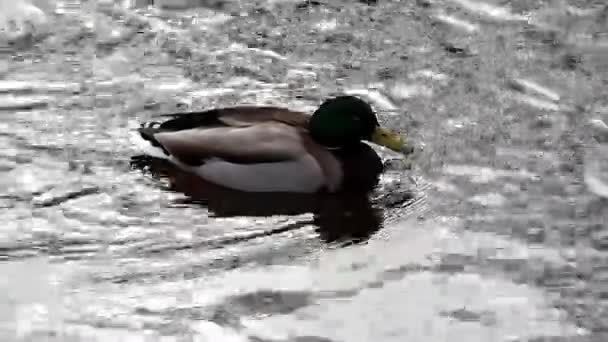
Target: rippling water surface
(498, 232)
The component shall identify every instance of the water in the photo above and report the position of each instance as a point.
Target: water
(497, 234)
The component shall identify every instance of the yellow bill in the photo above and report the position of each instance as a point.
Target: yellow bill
(391, 140)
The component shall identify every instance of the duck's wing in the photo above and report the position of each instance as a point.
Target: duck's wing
(262, 143)
(245, 134)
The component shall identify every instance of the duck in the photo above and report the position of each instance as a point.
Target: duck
(272, 149)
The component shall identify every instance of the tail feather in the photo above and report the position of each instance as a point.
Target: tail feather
(143, 138)
(147, 133)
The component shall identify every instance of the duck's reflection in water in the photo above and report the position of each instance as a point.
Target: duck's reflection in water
(347, 217)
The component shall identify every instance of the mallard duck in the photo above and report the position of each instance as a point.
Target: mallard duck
(273, 149)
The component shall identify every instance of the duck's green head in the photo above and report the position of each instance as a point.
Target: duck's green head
(343, 121)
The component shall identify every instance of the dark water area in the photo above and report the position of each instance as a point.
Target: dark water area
(494, 231)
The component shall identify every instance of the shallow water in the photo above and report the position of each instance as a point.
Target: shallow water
(498, 233)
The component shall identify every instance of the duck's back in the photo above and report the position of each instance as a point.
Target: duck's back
(241, 116)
